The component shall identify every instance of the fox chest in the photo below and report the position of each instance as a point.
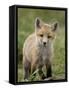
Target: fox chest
(44, 55)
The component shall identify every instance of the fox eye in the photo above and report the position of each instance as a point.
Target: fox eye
(49, 36)
(41, 35)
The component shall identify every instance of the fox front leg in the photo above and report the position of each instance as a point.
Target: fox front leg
(26, 68)
(49, 69)
(41, 74)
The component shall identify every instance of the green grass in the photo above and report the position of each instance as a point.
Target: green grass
(26, 18)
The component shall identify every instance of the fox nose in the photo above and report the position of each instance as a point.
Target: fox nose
(44, 43)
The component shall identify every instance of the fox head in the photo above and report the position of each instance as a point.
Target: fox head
(45, 33)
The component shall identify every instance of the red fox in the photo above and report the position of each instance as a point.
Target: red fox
(38, 49)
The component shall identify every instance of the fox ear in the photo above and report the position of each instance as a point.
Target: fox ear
(55, 26)
(38, 23)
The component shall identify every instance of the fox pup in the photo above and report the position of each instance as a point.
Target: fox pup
(38, 49)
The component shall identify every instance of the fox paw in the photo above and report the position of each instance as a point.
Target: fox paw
(49, 78)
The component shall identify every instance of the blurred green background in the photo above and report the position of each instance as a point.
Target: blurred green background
(26, 25)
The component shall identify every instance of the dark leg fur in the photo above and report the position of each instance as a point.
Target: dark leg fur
(27, 69)
(49, 69)
(26, 75)
(41, 74)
